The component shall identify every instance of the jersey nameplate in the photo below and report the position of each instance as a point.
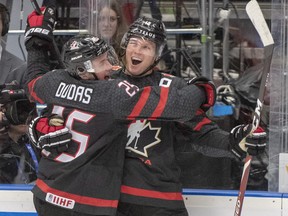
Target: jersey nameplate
(74, 93)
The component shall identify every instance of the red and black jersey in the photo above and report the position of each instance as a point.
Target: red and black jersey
(117, 97)
(151, 175)
(87, 177)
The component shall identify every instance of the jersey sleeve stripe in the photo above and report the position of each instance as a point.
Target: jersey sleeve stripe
(77, 198)
(151, 194)
(33, 94)
(162, 103)
(140, 104)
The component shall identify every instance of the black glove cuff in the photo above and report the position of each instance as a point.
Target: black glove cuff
(36, 43)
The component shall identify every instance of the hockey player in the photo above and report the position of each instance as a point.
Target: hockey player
(151, 178)
(151, 184)
(82, 175)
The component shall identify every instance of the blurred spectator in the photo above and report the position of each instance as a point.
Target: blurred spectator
(104, 19)
(111, 24)
(11, 67)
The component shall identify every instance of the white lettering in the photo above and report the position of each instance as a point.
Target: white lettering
(37, 30)
(87, 94)
(79, 93)
(74, 92)
(71, 92)
(60, 89)
(65, 91)
(149, 34)
(257, 114)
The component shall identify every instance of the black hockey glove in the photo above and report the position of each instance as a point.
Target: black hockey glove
(209, 88)
(49, 135)
(40, 27)
(256, 142)
(243, 141)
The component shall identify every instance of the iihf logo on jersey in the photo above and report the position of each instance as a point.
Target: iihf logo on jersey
(60, 201)
(150, 134)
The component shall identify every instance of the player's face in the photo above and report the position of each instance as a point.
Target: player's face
(102, 66)
(140, 54)
(108, 23)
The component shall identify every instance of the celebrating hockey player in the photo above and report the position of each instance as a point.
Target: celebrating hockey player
(151, 178)
(80, 172)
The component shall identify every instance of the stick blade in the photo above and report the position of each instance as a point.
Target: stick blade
(256, 16)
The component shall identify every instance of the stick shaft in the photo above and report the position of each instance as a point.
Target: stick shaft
(256, 16)
(36, 6)
(243, 186)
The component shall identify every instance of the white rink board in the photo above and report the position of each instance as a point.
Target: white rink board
(222, 203)
(16, 200)
(285, 205)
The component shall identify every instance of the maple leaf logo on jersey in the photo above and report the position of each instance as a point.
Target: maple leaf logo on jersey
(138, 129)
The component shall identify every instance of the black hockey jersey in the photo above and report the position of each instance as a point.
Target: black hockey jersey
(151, 175)
(87, 178)
(118, 97)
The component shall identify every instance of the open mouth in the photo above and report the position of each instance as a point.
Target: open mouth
(136, 61)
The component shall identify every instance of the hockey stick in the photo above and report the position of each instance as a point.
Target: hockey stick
(243, 185)
(35, 6)
(55, 48)
(255, 14)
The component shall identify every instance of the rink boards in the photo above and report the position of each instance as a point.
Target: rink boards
(16, 200)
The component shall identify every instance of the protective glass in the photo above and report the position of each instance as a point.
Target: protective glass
(104, 18)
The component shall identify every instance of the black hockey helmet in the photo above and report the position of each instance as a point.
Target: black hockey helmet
(78, 52)
(149, 29)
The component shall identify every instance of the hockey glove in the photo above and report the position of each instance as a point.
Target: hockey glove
(49, 135)
(237, 140)
(256, 142)
(40, 27)
(243, 141)
(209, 89)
